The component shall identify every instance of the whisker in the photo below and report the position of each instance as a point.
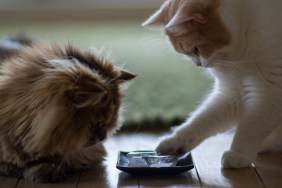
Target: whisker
(151, 39)
(154, 42)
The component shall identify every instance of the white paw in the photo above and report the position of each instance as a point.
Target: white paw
(232, 159)
(176, 144)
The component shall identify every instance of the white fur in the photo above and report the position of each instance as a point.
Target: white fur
(248, 86)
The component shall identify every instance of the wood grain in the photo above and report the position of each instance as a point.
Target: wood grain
(207, 159)
(69, 183)
(8, 182)
(187, 179)
(267, 170)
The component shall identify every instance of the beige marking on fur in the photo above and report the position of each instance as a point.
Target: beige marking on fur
(193, 23)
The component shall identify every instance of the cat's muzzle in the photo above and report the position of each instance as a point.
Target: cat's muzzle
(98, 132)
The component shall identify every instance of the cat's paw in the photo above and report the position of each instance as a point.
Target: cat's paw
(176, 144)
(232, 159)
(44, 173)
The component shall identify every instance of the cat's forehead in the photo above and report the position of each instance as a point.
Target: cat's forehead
(101, 64)
(175, 12)
(190, 5)
(192, 24)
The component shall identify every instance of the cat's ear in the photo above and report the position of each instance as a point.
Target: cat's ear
(188, 13)
(158, 20)
(125, 76)
(83, 98)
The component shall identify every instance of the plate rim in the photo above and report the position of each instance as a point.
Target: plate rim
(175, 169)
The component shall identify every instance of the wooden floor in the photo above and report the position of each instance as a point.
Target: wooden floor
(266, 172)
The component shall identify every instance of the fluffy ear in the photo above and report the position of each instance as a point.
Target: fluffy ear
(188, 12)
(91, 96)
(159, 18)
(125, 76)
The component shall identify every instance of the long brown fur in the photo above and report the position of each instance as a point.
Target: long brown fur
(56, 106)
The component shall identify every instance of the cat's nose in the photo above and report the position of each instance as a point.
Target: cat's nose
(101, 134)
(98, 132)
(102, 137)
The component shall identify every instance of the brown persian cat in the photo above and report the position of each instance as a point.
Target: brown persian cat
(56, 106)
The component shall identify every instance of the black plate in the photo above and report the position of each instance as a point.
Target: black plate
(184, 164)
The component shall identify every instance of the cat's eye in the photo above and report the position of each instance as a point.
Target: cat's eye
(196, 51)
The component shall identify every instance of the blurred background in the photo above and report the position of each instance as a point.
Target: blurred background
(167, 88)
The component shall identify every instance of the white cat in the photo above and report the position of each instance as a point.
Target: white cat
(239, 42)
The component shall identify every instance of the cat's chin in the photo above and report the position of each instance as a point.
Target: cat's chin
(206, 65)
(200, 64)
(198, 61)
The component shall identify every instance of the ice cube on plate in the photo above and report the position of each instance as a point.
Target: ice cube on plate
(160, 161)
(141, 153)
(137, 161)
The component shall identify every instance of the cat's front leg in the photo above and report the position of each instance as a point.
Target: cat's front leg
(86, 158)
(248, 139)
(217, 114)
(179, 142)
(9, 169)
